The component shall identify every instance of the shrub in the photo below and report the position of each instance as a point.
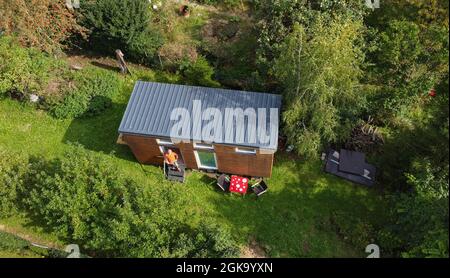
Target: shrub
(91, 95)
(84, 199)
(24, 70)
(12, 243)
(214, 241)
(13, 168)
(122, 25)
(418, 220)
(199, 73)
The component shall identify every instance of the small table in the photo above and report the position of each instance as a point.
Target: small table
(352, 162)
(238, 184)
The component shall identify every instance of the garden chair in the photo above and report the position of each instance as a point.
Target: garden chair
(260, 188)
(223, 181)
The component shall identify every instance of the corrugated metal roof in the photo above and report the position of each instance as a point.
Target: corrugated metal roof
(151, 104)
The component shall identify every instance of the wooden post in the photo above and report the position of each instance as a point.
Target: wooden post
(121, 62)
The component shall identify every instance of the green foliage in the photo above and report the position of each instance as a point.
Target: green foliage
(22, 247)
(319, 69)
(13, 169)
(421, 12)
(90, 96)
(419, 219)
(23, 70)
(276, 20)
(301, 194)
(410, 61)
(12, 243)
(199, 73)
(84, 199)
(125, 25)
(414, 165)
(425, 138)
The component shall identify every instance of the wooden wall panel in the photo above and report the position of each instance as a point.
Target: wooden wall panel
(187, 151)
(145, 149)
(259, 165)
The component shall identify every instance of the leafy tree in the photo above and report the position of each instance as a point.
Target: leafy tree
(121, 24)
(319, 68)
(13, 170)
(90, 94)
(409, 62)
(423, 13)
(199, 73)
(419, 219)
(276, 19)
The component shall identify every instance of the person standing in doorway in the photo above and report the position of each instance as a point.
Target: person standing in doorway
(171, 158)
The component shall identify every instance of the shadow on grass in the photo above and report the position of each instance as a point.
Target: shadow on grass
(105, 66)
(100, 133)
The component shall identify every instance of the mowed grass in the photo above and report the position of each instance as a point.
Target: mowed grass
(291, 220)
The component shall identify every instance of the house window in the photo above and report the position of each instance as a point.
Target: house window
(163, 144)
(206, 160)
(246, 151)
(202, 146)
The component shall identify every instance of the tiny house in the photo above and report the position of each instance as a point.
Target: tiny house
(215, 130)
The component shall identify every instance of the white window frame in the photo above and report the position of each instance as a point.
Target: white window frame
(203, 146)
(248, 151)
(164, 143)
(200, 166)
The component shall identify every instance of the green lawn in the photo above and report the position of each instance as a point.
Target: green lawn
(291, 220)
(17, 254)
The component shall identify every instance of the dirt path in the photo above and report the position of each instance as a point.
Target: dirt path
(253, 250)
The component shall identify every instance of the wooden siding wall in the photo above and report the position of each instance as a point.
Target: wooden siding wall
(230, 162)
(187, 151)
(147, 151)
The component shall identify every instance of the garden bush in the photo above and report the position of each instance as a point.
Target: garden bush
(13, 168)
(24, 70)
(84, 199)
(213, 240)
(124, 25)
(12, 243)
(91, 94)
(199, 73)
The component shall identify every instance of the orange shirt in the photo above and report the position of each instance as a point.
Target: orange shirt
(171, 158)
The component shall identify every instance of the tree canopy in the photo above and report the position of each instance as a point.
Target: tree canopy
(320, 69)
